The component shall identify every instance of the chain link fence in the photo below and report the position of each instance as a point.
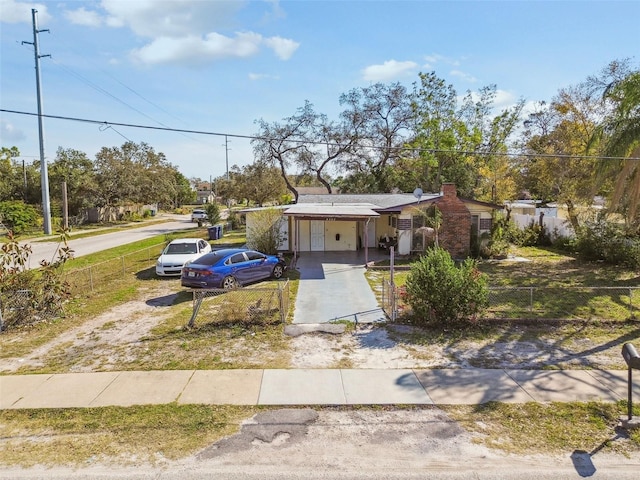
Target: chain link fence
(95, 276)
(24, 308)
(540, 303)
(259, 305)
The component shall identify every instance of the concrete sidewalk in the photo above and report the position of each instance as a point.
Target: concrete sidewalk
(312, 387)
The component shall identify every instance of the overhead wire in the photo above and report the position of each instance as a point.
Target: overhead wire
(105, 92)
(322, 143)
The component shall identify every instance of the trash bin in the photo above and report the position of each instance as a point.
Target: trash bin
(220, 230)
(213, 232)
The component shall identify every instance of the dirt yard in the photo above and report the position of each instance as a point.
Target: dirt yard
(117, 337)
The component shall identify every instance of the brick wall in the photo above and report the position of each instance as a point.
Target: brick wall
(455, 232)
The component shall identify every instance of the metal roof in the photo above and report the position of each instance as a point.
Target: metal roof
(380, 201)
(326, 210)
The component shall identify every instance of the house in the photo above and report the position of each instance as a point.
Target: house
(347, 222)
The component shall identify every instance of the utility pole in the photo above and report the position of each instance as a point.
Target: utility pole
(44, 175)
(226, 153)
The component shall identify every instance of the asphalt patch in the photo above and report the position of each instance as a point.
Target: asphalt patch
(274, 428)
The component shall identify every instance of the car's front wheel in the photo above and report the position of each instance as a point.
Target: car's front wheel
(278, 270)
(229, 282)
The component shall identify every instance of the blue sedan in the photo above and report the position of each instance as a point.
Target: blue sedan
(230, 268)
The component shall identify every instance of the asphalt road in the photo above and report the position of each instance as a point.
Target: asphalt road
(97, 243)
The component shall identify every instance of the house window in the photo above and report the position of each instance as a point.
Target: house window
(485, 223)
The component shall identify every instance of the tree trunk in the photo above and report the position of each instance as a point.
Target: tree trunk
(571, 212)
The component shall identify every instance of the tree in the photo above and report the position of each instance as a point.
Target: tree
(376, 125)
(619, 136)
(461, 143)
(213, 213)
(137, 173)
(18, 181)
(7, 173)
(259, 183)
(76, 169)
(562, 133)
(305, 143)
(116, 176)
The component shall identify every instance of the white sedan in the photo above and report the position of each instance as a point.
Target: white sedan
(179, 252)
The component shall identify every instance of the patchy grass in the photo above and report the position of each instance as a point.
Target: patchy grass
(156, 434)
(19, 342)
(533, 428)
(132, 435)
(172, 346)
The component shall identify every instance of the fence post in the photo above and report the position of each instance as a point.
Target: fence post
(530, 299)
(197, 302)
(281, 303)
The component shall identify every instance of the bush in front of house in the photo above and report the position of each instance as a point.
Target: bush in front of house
(264, 234)
(443, 293)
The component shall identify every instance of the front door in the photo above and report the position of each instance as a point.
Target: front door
(317, 236)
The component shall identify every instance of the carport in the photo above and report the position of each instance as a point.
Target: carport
(361, 214)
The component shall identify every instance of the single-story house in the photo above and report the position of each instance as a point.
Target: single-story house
(350, 222)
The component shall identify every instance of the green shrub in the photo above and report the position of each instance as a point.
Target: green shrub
(18, 216)
(441, 292)
(213, 213)
(606, 241)
(233, 219)
(264, 234)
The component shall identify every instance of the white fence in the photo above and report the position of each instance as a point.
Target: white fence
(556, 227)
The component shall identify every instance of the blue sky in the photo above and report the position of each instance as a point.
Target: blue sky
(218, 66)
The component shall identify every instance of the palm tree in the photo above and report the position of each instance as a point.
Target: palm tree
(620, 133)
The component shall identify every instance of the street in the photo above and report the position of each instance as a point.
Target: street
(85, 246)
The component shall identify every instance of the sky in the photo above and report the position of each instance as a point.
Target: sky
(219, 66)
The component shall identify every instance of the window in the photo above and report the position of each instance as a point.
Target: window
(254, 255)
(237, 258)
(485, 223)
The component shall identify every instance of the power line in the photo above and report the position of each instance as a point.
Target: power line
(106, 124)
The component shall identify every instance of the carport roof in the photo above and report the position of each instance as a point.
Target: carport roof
(378, 201)
(331, 211)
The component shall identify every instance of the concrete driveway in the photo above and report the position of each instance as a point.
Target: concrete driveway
(333, 287)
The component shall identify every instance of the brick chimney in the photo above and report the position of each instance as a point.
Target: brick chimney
(455, 232)
(449, 190)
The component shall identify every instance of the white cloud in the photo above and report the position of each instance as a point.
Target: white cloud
(283, 47)
(84, 17)
(464, 76)
(186, 31)
(9, 133)
(196, 50)
(389, 70)
(504, 99)
(16, 12)
(171, 18)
